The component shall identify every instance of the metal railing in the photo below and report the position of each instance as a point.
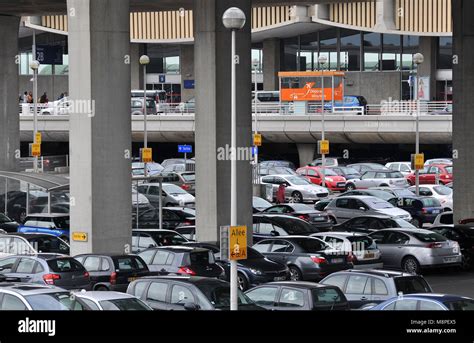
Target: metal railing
(411, 108)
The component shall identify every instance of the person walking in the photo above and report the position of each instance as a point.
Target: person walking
(281, 194)
(44, 99)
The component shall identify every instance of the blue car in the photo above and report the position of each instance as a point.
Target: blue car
(349, 101)
(426, 302)
(53, 224)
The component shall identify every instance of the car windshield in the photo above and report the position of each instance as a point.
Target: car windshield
(430, 202)
(259, 202)
(429, 237)
(380, 194)
(298, 181)
(293, 226)
(60, 301)
(449, 169)
(468, 231)
(219, 296)
(123, 305)
(361, 243)
(379, 204)
(64, 265)
(199, 258)
(188, 177)
(403, 192)
(395, 175)
(62, 222)
(347, 171)
(460, 305)
(311, 245)
(400, 222)
(443, 190)
(174, 190)
(328, 172)
(411, 284)
(282, 170)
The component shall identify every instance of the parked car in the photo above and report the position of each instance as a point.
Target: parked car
(318, 219)
(427, 302)
(372, 223)
(423, 210)
(432, 174)
(402, 167)
(184, 179)
(28, 297)
(7, 224)
(346, 207)
(361, 248)
(464, 235)
(297, 188)
(46, 269)
(412, 250)
(182, 260)
(332, 180)
(56, 224)
(143, 239)
(44, 243)
(260, 204)
(153, 169)
(112, 272)
(322, 204)
(136, 105)
(363, 287)
(172, 195)
(295, 296)
(16, 205)
(347, 172)
(171, 161)
(172, 217)
(438, 161)
(277, 163)
(377, 178)
(188, 232)
(370, 192)
(396, 192)
(348, 102)
(330, 162)
(15, 245)
(264, 171)
(191, 293)
(307, 258)
(442, 193)
(111, 301)
(272, 225)
(364, 167)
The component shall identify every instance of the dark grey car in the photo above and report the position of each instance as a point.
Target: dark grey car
(46, 269)
(307, 258)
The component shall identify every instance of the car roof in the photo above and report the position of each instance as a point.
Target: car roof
(379, 272)
(298, 284)
(31, 235)
(180, 248)
(368, 197)
(42, 256)
(153, 230)
(436, 296)
(101, 296)
(107, 255)
(339, 234)
(188, 279)
(276, 215)
(407, 230)
(26, 289)
(46, 215)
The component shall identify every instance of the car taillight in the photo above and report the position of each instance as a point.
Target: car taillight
(304, 217)
(50, 278)
(351, 258)
(318, 260)
(186, 270)
(86, 274)
(434, 245)
(113, 278)
(187, 223)
(424, 210)
(185, 187)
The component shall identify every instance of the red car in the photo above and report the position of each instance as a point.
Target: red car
(429, 173)
(314, 174)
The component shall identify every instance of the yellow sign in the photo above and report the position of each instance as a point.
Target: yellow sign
(147, 155)
(38, 138)
(418, 161)
(35, 149)
(257, 139)
(238, 243)
(323, 147)
(79, 236)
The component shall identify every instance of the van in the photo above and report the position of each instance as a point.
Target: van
(266, 101)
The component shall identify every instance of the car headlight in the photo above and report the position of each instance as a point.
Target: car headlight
(256, 271)
(329, 179)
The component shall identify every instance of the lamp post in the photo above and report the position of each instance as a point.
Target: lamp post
(322, 59)
(256, 119)
(418, 59)
(34, 65)
(233, 19)
(144, 61)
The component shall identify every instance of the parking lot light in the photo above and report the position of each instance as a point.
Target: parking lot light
(34, 65)
(144, 61)
(418, 59)
(322, 59)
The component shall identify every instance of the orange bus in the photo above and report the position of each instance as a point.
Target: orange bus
(307, 85)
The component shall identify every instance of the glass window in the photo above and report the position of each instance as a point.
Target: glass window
(26, 266)
(92, 263)
(263, 246)
(291, 298)
(160, 257)
(460, 305)
(156, 291)
(280, 246)
(264, 296)
(139, 289)
(391, 55)
(350, 50)
(372, 42)
(356, 284)
(445, 53)
(410, 47)
(430, 306)
(257, 60)
(62, 265)
(326, 296)
(411, 284)
(147, 255)
(146, 242)
(12, 303)
(6, 265)
(181, 295)
(92, 305)
(336, 280)
(290, 49)
(397, 238)
(405, 305)
(380, 288)
(328, 47)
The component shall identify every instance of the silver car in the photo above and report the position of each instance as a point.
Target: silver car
(347, 207)
(378, 178)
(297, 188)
(172, 195)
(414, 249)
(111, 301)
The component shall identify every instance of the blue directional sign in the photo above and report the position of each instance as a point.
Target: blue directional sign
(254, 150)
(189, 84)
(185, 149)
(47, 54)
(162, 78)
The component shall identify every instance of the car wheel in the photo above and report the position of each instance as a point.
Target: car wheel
(297, 197)
(295, 274)
(242, 282)
(410, 265)
(101, 289)
(466, 263)
(417, 222)
(350, 187)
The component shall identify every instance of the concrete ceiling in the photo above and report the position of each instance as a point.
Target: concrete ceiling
(38, 7)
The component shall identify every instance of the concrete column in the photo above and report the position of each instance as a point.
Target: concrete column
(428, 47)
(212, 59)
(306, 153)
(100, 125)
(136, 51)
(9, 93)
(463, 120)
(187, 70)
(385, 15)
(271, 63)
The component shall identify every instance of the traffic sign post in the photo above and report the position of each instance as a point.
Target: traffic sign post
(35, 149)
(38, 137)
(257, 139)
(417, 161)
(323, 147)
(146, 155)
(80, 236)
(185, 149)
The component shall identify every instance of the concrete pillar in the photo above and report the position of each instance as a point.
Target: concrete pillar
(271, 63)
(463, 120)
(9, 93)
(100, 129)
(136, 50)
(428, 47)
(212, 59)
(306, 153)
(187, 70)
(385, 15)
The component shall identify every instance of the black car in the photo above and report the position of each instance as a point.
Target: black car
(271, 225)
(422, 210)
(172, 218)
(192, 293)
(368, 224)
(260, 204)
(143, 239)
(16, 204)
(7, 224)
(316, 218)
(182, 260)
(113, 272)
(300, 295)
(464, 235)
(307, 258)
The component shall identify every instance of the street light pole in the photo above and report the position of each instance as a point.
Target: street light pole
(322, 61)
(144, 61)
(233, 19)
(418, 59)
(34, 65)
(256, 120)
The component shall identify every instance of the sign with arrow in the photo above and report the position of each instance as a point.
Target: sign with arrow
(79, 236)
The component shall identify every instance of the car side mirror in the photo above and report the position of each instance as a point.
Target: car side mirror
(274, 233)
(191, 307)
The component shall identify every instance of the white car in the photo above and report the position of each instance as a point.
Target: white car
(58, 107)
(298, 189)
(402, 167)
(438, 161)
(139, 199)
(378, 178)
(442, 193)
(111, 301)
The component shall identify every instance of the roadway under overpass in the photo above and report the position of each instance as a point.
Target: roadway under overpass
(100, 145)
